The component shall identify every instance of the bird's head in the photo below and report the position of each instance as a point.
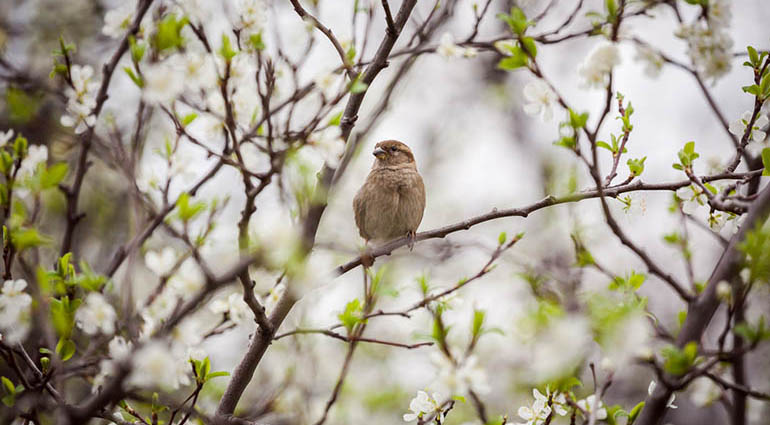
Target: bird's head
(392, 152)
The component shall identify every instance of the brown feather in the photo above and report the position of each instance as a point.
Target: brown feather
(391, 202)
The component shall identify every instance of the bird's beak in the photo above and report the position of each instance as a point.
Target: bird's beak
(379, 152)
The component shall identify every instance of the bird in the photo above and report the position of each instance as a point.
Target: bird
(391, 202)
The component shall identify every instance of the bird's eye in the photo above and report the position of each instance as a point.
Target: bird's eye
(393, 148)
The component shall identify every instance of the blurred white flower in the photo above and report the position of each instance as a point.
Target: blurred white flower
(504, 47)
(459, 379)
(154, 366)
(234, 306)
(5, 137)
(738, 127)
(117, 20)
(15, 307)
(670, 404)
(709, 48)
(328, 83)
(653, 61)
(188, 280)
(559, 348)
(186, 335)
(719, 14)
(629, 339)
(198, 69)
(119, 350)
(272, 297)
(36, 154)
(424, 405)
(596, 68)
(329, 144)
(540, 99)
(252, 16)
(692, 198)
(703, 392)
(591, 405)
(162, 82)
(448, 49)
(96, 315)
(161, 262)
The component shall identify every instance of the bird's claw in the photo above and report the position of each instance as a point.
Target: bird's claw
(411, 237)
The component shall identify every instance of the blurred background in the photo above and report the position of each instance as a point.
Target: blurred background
(476, 150)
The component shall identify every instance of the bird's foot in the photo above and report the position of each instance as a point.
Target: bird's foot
(411, 236)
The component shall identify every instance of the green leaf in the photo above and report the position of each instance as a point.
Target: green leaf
(517, 60)
(137, 49)
(336, 118)
(358, 86)
(168, 35)
(529, 45)
(226, 50)
(22, 106)
(65, 349)
(135, 78)
(186, 210)
(678, 362)
(766, 161)
(634, 413)
(189, 118)
(53, 175)
(752, 89)
(8, 385)
(256, 41)
(351, 316)
(217, 375)
(23, 238)
(753, 56)
(636, 166)
(501, 238)
(577, 120)
(604, 145)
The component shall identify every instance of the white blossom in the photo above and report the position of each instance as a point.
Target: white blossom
(198, 68)
(96, 315)
(423, 405)
(119, 349)
(328, 83)
(272, 297)
(596, 68)
(188, 280)
(448, 49)
(463, 377)
(234, 306)
(36, 154)
(5, 137)
(719, 14)
(162, 83)
(540, 99)
(703, 392)
(154, 365)
(252, 16)
(117, 20)
(161, 262)
(78, 116)
(593, 406)
(629, 339)
(559, 348)
(738, 127)
(15, 305)
(329, 144)
(709, 48)
(538, 412)
(670, 404)
(653, 61)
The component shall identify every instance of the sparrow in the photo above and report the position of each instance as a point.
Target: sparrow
(391, 202)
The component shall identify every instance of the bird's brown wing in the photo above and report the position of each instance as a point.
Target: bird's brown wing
(359, 210)
(411, 200)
